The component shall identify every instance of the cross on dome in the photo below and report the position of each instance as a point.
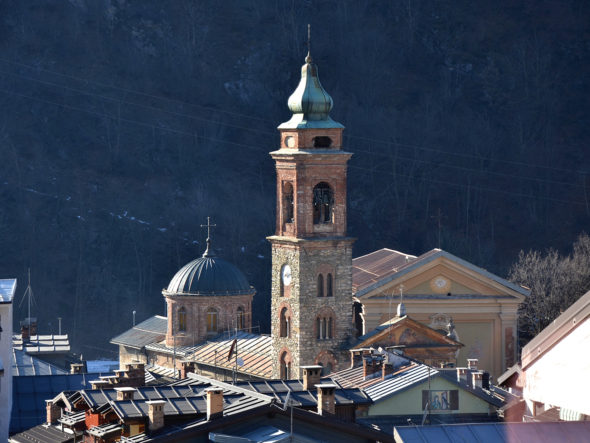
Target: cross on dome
(209, 251)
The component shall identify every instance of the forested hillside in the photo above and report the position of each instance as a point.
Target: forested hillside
(126, 123)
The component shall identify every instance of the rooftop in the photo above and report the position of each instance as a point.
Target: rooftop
(42, 344)
(148, 331)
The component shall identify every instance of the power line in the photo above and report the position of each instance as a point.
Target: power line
(252, 147)
(368, 139)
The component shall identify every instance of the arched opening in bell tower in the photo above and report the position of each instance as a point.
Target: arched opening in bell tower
(288, 205)
(323, 203)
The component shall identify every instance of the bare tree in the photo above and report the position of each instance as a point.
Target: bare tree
(555, 282)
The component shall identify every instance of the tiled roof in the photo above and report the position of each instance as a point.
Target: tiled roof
(371, 268)
(374, 270)
(42, 344)
(254, 350)
(45, 434)
(7, 290)
(148, 331)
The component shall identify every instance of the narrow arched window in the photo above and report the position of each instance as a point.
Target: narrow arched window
(288, 205)
(320, 285)
(323, 203)
(182, 320)
(285, 323)
(211, 320)
(330, 329)
(329, 285)
(285, 365)
(240, 324)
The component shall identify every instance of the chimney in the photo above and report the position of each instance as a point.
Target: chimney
(476, 378)
(77, 368)
(311, 376)
(187, 366)
(472, 363)
(125, 393)
(99, 384)
(155, 414)
(485, 380)
(461, 374)
(371, 365)
(326, 399)
(356, 357)
(53, 412)
(214, 403)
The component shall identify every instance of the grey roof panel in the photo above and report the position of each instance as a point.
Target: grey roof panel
(148, 331)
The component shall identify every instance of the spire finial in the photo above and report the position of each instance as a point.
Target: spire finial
(401, 308)
(308, 58)
(208, 252)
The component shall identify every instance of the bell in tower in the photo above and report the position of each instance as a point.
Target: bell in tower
(311, 252)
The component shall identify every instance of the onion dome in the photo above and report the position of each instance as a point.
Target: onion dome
(310, 103)
(209, 276)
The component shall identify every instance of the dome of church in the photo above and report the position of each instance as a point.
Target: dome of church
(209, 276)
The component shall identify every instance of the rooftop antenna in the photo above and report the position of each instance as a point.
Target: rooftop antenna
(208, 252)
(308, 58)
(134, 317)
(30, 298)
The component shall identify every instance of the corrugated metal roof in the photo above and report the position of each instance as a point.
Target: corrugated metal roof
(255, 350)
(25, 364)
(496, 432)
(413, 375)
(30, 392)
(148, 331)
(7, 290)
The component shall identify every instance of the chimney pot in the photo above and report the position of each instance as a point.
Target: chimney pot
(214, 403)
(472, 363)
(53, 412)
(311, 376)
(326, 398)
(155, 414)
(461, 374)
(476, 378)
(125, 393)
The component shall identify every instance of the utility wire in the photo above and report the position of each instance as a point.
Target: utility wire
(368, 139)
(258, 148)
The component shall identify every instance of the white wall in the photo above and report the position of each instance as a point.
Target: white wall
(6, 379)
(561, 377)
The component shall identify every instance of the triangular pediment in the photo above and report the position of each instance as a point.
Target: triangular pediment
(435, 274)
(406, 332)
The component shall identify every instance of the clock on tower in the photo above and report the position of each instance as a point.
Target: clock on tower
(311, 252)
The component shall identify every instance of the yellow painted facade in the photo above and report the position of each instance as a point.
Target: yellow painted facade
(483, 307)
(409, 402)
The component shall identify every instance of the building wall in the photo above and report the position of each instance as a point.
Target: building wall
(6, 378)
(485, 318)
(560, 376)
(304, 303)
(409, 402)
(196, 307)
(130, 355)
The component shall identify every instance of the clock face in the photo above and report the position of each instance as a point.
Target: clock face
(440, 284)
(286, 275)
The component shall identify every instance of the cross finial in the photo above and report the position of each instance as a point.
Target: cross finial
(308, 58)
(208, 252)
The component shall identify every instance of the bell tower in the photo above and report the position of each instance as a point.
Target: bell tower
(311, 252)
